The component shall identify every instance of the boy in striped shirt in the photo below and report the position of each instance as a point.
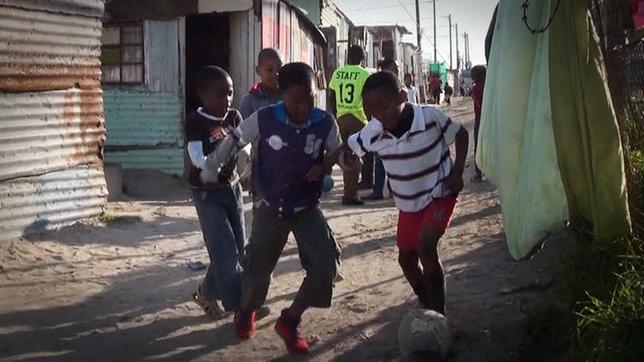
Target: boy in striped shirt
(413, 142)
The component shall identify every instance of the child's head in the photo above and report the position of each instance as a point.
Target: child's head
(384, 98)
(408, 79)
(215, 90)
(269, 62)
(356, 55)
(389, 64)
(296, 85)
(478, 73)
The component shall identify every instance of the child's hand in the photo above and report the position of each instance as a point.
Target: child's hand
(454, 182)
(218, 133)
(208, 175)
(316, 173)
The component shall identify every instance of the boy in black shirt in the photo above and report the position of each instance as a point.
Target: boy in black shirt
(219, 204)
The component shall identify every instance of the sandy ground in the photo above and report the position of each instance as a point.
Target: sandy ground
(121, 291)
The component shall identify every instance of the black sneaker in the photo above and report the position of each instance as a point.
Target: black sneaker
(374, 197)
(352, 202)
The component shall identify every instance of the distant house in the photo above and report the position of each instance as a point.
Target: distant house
(387, 42)
(364, 36)
(153, 50)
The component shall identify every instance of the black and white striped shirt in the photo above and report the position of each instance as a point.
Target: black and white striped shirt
(418, 161)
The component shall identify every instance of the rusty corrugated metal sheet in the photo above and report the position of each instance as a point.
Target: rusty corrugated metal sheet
(37, 203)
(47, 51)
(51, 114)
(49, 131)
(89, 8)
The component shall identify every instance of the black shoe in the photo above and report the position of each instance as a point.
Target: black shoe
(364, 186)
(352, 202)
(374, 197)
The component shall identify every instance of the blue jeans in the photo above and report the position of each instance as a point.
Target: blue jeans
(221, 215)
(378, 177)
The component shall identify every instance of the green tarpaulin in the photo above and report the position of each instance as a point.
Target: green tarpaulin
(586, 133)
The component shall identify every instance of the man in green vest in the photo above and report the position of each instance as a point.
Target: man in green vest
(345, 102)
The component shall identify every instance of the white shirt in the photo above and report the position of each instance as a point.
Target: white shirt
(418, 161)
(412, 94)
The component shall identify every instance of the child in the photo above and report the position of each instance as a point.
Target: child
(295, 144)
(379, 175)
(449, 91)
(262, 94)
(413, 142)
(345, 102)
(478, 75)
(412, 92)
(218, 201)
(265, 92)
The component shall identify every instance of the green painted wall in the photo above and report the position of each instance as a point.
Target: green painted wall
(144, 130)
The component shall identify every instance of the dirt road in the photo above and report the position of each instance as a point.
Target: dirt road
(121, 290)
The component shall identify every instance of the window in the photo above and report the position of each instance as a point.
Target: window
(122, 54)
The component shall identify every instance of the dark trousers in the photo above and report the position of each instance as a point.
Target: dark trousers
(349, 125)
(367, 169)
(319, 256)
(379, 177)
(477, 126)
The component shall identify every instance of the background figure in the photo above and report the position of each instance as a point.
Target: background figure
(435, 85)
(345, 102)
(379, 175)
(448, 94)
(478, 75)
(262, 94)
(412, 92)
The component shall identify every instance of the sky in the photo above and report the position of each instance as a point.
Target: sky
(472, 16)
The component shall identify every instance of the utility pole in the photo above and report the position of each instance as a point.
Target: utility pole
(435, 50)
(458, 53)
(451, 64)
(468, 62)
(418, 34)
(465, 51)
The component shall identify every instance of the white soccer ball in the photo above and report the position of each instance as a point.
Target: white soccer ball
(424, 333)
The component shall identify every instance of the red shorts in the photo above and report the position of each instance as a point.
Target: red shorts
(437, 215)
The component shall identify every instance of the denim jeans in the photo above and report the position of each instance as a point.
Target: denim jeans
(221, 215)
(378, 177)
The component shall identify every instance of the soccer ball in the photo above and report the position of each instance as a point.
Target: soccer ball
(327, 183)
(424, 333)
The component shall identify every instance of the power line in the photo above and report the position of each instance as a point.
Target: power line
(407, 11)
(432, 43)
(379, 7)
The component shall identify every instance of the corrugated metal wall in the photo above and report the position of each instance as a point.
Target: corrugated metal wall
(51, 114)
(37, 203)
(161, 63)
(42, 132)
(84, 8)
(245, 32)
(332, 17)
(45, 51)
(286, 29)
(144, 129)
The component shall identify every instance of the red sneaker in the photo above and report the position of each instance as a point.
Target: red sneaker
(287, 329)
(245, 325)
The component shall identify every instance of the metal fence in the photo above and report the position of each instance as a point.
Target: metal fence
(623, 49)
